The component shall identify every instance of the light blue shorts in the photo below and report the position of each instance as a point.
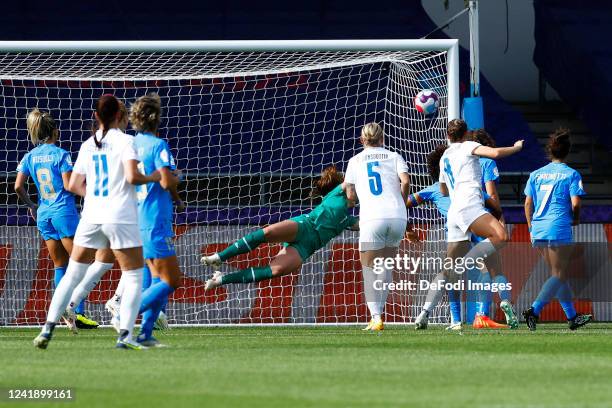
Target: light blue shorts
(56, 228)
(158, 243)
(551, 243)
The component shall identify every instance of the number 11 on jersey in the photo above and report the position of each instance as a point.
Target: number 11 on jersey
(101, 182)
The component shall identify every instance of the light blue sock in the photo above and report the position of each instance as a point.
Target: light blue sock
(503, 294)
(564, 294)
(59, 274)
(484, 296)
(80, 309)
(549, 289)
(146, 278)
(156, 292)
(455, 306)
(149, 317)
(165, 302)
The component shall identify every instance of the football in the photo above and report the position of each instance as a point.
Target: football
(427, 102)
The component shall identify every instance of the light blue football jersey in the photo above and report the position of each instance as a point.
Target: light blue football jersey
(154, 203)
(489, 171)
(433, 195)
(551, 188)
(45, 164)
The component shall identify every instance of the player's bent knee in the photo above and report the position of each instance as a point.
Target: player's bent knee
(175, 280)
(500, 237)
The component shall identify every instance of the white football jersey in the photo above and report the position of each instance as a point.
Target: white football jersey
(375, 173)
(460, 171)
(109, 197)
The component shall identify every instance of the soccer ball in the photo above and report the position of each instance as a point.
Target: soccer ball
(427, 102)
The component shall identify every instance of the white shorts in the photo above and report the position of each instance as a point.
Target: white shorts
(115, 236)
(382, 233)
(458, 222)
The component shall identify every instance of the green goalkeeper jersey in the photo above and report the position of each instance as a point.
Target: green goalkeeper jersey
(325, 222)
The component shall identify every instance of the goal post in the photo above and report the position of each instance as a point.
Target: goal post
(251, 124)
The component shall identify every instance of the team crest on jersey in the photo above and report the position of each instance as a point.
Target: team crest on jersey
(163, 155)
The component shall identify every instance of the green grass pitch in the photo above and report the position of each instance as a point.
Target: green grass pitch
(319, 367)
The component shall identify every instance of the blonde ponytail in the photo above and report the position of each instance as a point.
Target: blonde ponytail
(145, 113)
(372, 134)
(41, 126)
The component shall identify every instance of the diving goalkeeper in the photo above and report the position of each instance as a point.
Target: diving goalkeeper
(301, 236)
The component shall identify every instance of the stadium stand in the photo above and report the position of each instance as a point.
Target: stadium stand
(574, 55)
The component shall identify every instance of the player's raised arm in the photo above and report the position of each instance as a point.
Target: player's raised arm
(498, 152)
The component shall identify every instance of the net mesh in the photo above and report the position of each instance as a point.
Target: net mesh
(251, 132)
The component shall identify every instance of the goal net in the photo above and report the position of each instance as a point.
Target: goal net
(251, 130)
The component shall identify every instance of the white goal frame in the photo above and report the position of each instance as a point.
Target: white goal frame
(449, 46)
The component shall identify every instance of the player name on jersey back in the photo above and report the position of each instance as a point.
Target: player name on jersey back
(375, 174)
(110, 198)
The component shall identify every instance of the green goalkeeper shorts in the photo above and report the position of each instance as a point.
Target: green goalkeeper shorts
(307, 241)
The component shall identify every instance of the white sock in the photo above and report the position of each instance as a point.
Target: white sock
(434, 295)
(74, 273)
(481, 250)
(130, 301)
(371, 295)
(94, 273)
(386, 277)
(119, 290)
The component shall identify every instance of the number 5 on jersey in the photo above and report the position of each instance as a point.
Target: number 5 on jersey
(101, 182)
(374, 179)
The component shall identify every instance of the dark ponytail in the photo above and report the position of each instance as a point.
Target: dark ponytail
(483, 137)
(559, 144)
(107, 108)
(433, 161)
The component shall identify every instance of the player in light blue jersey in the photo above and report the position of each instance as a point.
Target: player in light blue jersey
(155, 212)
(552, 206)
(56, 215)
(494, 273)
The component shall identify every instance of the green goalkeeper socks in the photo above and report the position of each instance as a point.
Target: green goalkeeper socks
(243, 245)
(248, 275)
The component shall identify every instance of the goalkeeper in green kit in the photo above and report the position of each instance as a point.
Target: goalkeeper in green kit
(301, 236)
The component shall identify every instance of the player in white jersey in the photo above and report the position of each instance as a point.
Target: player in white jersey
(379, 179)
(460, 178)
(105, 173)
